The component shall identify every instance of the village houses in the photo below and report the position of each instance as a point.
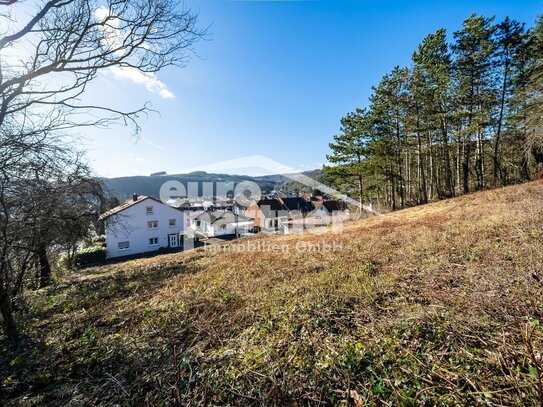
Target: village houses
(144, 224)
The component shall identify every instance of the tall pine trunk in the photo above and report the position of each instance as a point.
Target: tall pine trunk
(423, 193)
(465, 165)
(421, 172)
(497, 168)
(446, 159)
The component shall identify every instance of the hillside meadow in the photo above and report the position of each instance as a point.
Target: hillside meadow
(434, 305)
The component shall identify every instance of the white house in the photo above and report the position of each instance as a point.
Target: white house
(142, 224)
(218, 223)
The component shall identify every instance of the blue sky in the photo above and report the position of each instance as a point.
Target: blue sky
(274, 79)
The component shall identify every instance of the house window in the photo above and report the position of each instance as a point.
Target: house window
(153, 241)
(152, 224)
(172, 223)
(124, 245)
(198, 223)
(149, 210)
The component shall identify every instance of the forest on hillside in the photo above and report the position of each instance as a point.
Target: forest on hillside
(465, 115)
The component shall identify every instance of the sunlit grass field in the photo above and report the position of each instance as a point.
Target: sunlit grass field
(437, 304)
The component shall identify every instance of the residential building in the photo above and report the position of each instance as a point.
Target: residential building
(325, 213)
(219, 223)
(268, 214)
(298, 204)
(142, 224)
(330, 208)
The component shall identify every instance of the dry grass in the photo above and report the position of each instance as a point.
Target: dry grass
(432, 305)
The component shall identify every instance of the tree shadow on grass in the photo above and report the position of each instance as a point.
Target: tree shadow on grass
(62, 326)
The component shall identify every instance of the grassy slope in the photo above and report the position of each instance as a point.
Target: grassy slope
(426, 305)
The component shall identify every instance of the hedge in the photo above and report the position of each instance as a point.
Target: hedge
(89, 255)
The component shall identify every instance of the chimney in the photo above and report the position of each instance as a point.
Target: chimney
(135, 197)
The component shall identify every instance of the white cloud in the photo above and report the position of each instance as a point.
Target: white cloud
(149, 80)
(113, 38)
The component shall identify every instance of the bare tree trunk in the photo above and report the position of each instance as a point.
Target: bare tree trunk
(432, 165)
(466, 146)
(446, 159)
(360, 182)
(480, 161)
(420, 164)
(400, 169)
(458, 155)
(465, 166)
(45, 267)
(524, 170)
(401, 184)
(360, 186)
(8, 322)
(422, 172)
(393, 189)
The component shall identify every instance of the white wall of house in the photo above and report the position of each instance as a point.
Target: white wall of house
(320, 212)
(323, 212)
(134, 231)
(214, 230)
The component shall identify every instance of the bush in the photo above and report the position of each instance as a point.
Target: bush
(64, 262)
(95, 241)
(89, 255)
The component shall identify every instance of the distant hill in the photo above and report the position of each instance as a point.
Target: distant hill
(124, 187)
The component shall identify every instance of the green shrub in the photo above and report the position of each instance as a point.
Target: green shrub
(89, 255)
(64, 262)
(94, 241)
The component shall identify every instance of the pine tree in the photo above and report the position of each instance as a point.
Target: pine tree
(388, 108)
(348, 153)
(466, 115)
(431, 85)
(532, 94)
(509, 38)
(474, 50)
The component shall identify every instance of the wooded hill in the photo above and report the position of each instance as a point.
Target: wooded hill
(124, 187)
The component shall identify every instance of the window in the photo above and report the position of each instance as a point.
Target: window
(149, 210)
(152, 224)
(153, 241)
(198, 223)
(172, 223)
(124, 245)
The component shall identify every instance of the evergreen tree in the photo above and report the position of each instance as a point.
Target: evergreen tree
(474, 50)
(431, 92)
(509, 38)
(531, 91)
(465, 116)
(348, 153)
(388, 113)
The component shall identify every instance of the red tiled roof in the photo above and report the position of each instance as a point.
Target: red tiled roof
(127, 204)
